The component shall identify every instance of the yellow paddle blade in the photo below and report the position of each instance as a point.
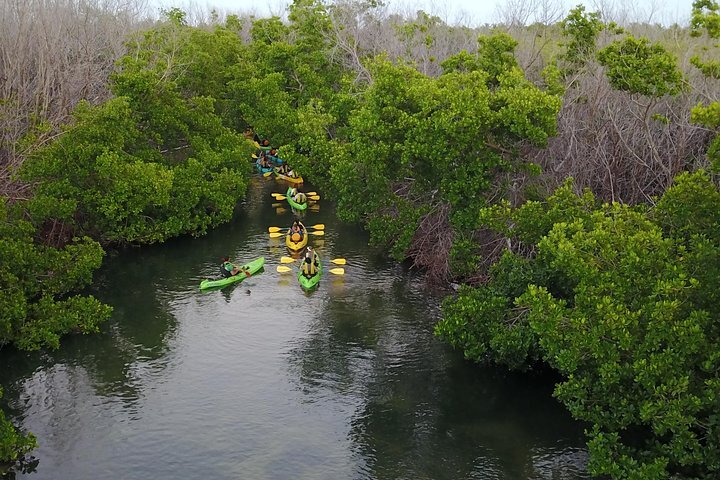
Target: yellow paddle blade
(314, 197)
(311, 193)
(278, 196)
(276, 234)
(336, 271)
(267, 174)
(274, 229)
(318, 226)
(286, 260)
(319, 233)
(338, 261)
(282, 269)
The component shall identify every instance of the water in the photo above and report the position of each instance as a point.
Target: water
(262, 380)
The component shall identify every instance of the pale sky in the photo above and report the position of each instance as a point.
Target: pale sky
(477, 12)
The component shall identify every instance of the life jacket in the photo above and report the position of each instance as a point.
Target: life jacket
(226, 268)
(309, 268)
(300, 198)
(296, 237)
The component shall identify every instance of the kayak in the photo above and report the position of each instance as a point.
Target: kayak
(308, 283)
(253, 267)
(281, 176)
(297, 245)
(263, 147)
(293, 203)
(276, 160)
(262, 169)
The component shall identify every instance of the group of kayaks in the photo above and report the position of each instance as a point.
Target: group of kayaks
(295, 241)
(266, 164)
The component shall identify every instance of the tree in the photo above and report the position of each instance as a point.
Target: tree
(156, 161)
(582, 29)
(639, 67)
(621, 301)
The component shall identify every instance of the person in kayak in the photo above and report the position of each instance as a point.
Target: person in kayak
(283, 169)
(293, 192)
(228, 269)
(265, 161)
(296, 232)
(300, 198)
(310, 264)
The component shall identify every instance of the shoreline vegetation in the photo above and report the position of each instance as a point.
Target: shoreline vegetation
(562, 171)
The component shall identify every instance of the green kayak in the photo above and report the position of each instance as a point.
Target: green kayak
(308, 283)
(293, 203)
(252, 267)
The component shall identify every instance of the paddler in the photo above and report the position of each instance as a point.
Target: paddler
(228, 269)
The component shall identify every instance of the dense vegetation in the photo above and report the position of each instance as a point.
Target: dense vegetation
(454, 146)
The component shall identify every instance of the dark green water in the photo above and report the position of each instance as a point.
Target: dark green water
(264, 381)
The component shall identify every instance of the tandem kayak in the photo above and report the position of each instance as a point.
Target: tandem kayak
(293, 203)
(252, 267)
(308, 283)
(297, 245)
(281, 176)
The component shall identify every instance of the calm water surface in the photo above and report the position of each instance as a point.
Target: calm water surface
(262, 380)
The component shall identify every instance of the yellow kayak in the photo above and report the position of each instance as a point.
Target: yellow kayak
(299, 245)
(281, 176)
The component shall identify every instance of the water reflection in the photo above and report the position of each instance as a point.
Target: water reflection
(419, 410)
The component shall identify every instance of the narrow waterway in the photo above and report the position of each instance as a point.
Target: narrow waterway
(261, 380)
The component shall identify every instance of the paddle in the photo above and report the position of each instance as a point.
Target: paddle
(319, 226)
(313, 197)
(336, 261)
(282, 234)
(246, 272)
(278, 196)
(268, 173)
(336, 271)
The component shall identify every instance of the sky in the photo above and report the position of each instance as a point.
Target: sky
(474, 13)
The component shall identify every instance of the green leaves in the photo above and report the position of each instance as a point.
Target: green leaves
(125, 166)
(705, 16)
(34, 283)
(622, 302)
(582, 29)
(13, 444)
(637, 66)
